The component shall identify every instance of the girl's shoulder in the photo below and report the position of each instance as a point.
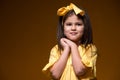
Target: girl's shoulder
(55, 47)
(55, 51)
(89, 47)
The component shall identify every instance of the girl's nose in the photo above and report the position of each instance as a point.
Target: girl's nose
(73, 27)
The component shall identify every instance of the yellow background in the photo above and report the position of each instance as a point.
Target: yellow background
(28, 32)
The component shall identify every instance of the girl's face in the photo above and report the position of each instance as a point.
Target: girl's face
(73, 28)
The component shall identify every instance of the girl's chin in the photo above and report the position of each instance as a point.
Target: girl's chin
(75, 40)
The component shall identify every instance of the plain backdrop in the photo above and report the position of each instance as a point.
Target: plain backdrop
(28, 32)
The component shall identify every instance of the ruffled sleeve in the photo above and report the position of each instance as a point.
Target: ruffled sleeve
(54, 56)
(89, 58)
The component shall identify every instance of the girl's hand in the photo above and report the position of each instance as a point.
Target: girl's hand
(69, 42)
(64, 44)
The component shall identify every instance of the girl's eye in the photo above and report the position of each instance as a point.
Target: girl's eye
(68, 24)
(79, 24)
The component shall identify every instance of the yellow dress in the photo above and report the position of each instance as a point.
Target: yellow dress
(88, 56)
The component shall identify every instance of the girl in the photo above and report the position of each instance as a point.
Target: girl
(74, 57)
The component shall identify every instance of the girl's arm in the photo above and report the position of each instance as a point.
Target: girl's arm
(59, 66)
(78, 66)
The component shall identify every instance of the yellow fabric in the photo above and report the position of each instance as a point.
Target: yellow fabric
(62, 11)
(88, 56)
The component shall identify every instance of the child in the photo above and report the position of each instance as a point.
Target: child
(74, 57)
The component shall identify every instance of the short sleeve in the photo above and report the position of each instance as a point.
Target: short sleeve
(54, 55)
(89, 58)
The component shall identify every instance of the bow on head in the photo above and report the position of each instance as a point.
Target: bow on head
(62, 11)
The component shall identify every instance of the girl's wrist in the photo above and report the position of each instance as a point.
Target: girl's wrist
(66, 49)
(73, 46)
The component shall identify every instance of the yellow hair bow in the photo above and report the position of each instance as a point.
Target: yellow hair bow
(62, 11)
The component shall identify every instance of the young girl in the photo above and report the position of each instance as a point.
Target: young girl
(74, 57)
